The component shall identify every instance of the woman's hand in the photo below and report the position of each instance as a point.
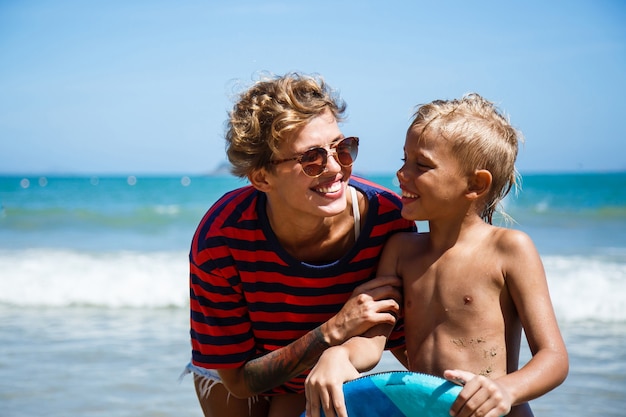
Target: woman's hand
(375, 302)
(324, 385)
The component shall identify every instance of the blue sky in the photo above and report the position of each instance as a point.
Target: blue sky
(143, 87)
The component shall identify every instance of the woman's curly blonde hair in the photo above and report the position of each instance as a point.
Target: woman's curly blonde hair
(481, 138)
(266, 113)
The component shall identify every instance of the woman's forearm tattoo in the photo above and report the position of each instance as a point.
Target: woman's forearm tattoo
(279, 366)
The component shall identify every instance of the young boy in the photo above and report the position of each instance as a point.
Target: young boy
(469, 287)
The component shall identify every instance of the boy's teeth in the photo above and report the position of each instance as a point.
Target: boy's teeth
(408, 195)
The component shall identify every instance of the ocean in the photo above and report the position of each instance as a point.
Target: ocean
(94, 296)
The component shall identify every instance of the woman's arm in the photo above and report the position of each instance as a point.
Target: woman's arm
(372, 303)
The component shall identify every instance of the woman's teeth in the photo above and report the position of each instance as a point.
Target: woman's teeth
(332, 188)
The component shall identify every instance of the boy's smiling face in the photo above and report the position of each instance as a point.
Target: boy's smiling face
(431, 178)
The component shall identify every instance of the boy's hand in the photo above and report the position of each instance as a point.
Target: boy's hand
(480, 395)
(324, 385)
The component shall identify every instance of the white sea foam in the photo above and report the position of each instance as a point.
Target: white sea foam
(587, 288)
(582, 288)
(44, 277)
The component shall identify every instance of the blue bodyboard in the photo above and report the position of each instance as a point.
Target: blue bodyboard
(399, 394)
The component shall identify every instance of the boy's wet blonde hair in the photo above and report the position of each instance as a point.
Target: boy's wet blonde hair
(481, 138)
(266, 113)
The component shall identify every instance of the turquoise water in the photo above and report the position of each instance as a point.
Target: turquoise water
(93, 289)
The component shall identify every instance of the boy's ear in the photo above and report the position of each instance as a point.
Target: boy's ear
(258, 179)
(479, 184)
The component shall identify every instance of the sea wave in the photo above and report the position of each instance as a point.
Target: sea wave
(133, 217)
(588, 287)
(120, 279)
(582, 288)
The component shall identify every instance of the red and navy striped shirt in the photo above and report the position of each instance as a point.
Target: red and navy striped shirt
(248, 296)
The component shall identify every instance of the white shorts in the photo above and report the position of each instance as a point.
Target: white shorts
(206, 379)
(211, 374)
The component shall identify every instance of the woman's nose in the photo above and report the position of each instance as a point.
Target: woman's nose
(333, 158)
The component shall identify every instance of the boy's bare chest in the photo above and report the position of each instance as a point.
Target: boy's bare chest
(453, 282)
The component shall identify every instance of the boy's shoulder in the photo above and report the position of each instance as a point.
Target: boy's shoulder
(506, 236)
(408, 240)
(511, 242)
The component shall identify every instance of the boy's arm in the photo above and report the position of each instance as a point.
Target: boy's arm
(548, 367)
(338, 364)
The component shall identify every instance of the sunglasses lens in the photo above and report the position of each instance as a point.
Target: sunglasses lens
(347, 151)
(313, 161)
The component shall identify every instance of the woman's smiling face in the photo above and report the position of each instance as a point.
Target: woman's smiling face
(292, 189)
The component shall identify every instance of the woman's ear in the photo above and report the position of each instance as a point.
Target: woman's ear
(479, 184)
(258, 179)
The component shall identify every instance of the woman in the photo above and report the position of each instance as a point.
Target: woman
(281, 269)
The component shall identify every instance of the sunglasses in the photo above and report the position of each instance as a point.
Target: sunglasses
(314, 160)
